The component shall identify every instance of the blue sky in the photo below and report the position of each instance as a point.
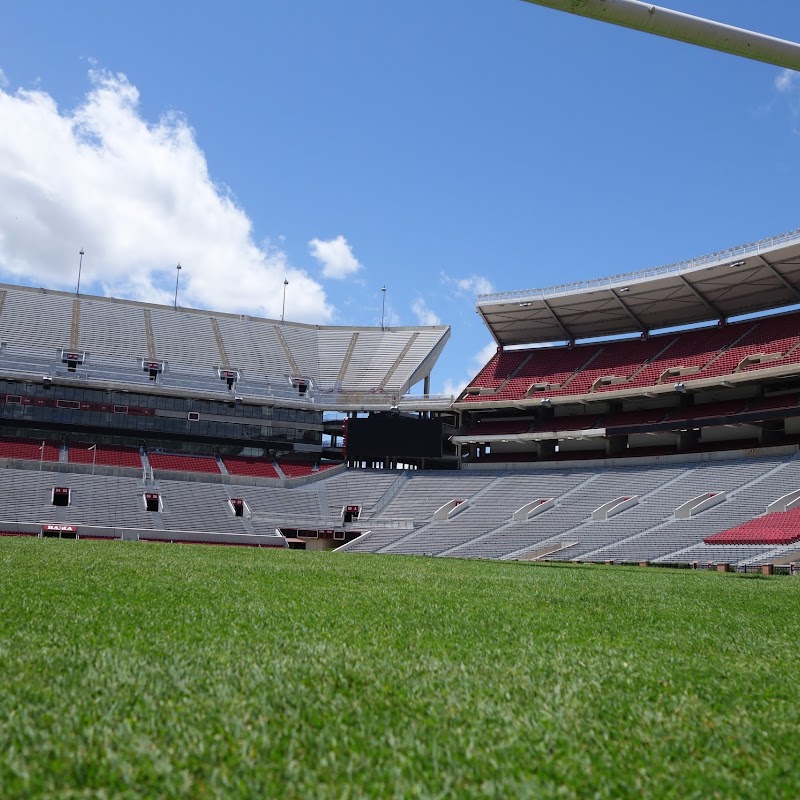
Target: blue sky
(438, 148)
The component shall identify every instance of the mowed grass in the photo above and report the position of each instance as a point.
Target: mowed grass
(143, 670)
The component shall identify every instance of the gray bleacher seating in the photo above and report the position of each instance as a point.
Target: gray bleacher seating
(35, 324)
(398, 508)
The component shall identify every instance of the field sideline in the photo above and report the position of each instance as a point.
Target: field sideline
(142, 670)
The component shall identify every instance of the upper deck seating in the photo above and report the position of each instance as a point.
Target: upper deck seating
(112, 332)
(621, 360)
(639, 363)
(36, 321)
(420, 346)
(548, 367)
(772, 335)
(500, 366)
(691, 350)
(253, 347)
(185, 340)
(374, 352)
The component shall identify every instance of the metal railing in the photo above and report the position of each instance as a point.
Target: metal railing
(330, 522)
(721, 257)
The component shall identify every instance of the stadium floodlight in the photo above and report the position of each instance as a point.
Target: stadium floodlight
(283, 307)
(680, 388)
(80, 267)
(383, 303)
(177, 278)
(737, 264)
(547, 402)
(684, 28)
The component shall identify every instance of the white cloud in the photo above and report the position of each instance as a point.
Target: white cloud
(472, 285)
(138, 198)
(476, 284)
(477, 363)
(424, 314)
(786, 80)
(3, 79)
(336, 257)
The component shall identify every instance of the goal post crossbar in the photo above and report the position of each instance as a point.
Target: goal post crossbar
(682, 27)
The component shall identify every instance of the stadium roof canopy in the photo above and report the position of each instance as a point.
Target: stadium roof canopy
(743, 280)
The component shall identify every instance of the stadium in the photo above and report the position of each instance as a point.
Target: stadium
(598, 536)
(254, 671)
(591, 435)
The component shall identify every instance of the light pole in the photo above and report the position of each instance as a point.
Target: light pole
(383, 304)
(177, 278)
(80, 267)
(283, 307)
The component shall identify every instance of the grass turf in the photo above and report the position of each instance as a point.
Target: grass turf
(133, 670)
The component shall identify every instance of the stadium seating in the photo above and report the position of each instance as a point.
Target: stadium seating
(779, 528)
(182, 463)
(116, 335)
(501, 365)
(637, 363)
(254, 467)
(398, 508)
(545, 368)
(112, 331)
(646, 531)
(104, 455)
(29, 449)
(293, 469)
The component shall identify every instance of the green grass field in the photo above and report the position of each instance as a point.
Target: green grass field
(144, 670)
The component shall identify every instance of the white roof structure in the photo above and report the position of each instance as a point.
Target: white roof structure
(742, 280)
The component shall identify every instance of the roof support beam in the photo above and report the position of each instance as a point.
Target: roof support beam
(782, 278)
(630, 313)
(703, 299)
(684, 28)
(570, 337)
